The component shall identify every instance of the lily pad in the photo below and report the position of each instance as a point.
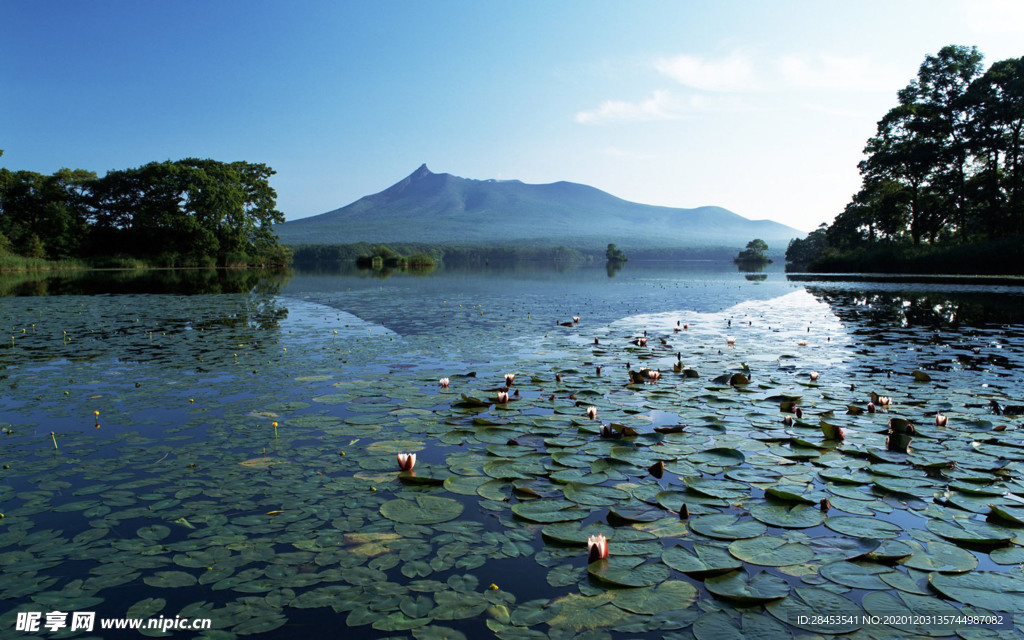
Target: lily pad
(423, 509)
(739, 587)
(727, 526)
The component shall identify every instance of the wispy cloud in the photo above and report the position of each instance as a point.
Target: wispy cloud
(662, 105)
(657, 107)
(625, 154)
(735, 72)
(995, 16)
(827, 72)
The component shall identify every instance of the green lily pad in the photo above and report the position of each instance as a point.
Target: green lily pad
(971, 531)
(770, 551)
(743, 589)
(818, 610)
(787, 514)
(424, 509)
(628, 571)
(939, 556)
(858, 575)
(667, 596)
(705, 560)
(903, 610)
(862, 527)
(727, 526)
(544, 511)
(987, 589)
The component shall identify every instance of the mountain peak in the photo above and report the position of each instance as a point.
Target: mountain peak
(422, 172)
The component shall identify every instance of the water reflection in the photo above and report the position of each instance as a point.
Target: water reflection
(929, 309)
(159, 281)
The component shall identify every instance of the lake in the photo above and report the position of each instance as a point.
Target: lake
(223, 446)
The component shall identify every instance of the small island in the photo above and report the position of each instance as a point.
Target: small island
(753, 255)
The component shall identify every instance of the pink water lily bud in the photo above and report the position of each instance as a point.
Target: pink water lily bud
(940, 420)
(509, 379)
(592, 413)
(814, 376)
(406, 461)
(871, 407)
(444, 382)
(503, 397)
(576, 319)
(802, 343)
(654, 375)
(729, 340)
(597, 547)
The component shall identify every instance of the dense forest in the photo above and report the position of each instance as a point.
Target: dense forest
(942, 179)
(188, 212)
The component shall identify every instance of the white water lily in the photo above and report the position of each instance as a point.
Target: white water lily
(406, 461)
(597, 547)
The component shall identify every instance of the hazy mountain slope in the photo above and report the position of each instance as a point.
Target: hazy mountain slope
(439, 208)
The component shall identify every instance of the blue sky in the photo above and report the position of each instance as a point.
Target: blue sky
(760, 107)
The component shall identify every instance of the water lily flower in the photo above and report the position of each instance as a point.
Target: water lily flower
(503, 397)
(686, 326)
(730, 340)
(592, 413)
(940, 420)
(641, 342)
(509, 379)
(576, 319)
(802, 343)
(406, 461)
(814, 376)
(884, 401)
(654, 375)
(871, 407)
(787, 421)
(444, 382)
(597, 547)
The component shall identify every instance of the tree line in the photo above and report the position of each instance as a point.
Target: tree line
(944, 170)
(191, 212)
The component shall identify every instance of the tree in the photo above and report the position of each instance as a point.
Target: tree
(614, 254)
(754, 253)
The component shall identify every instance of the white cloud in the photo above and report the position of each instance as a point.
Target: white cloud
(732, 73)
(995, 16)
(657, 107)
(625, 154)
(828, 72)
(662, 105)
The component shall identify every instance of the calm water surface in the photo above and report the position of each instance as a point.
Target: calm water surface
(144, 474)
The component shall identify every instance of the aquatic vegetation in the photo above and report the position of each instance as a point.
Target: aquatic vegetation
(718, 519)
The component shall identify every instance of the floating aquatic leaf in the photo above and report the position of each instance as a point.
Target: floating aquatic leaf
(770, 551)
(744, 589)
(939, 556)
(423, 510)
(705, 560)
(726, 526)
(858, 575)
(818, 610)
(667, 596)
(863, 527)
(628, 571)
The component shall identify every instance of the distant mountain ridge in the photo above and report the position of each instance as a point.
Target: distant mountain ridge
(442, 209)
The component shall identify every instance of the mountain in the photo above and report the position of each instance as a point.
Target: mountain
(442, 209)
